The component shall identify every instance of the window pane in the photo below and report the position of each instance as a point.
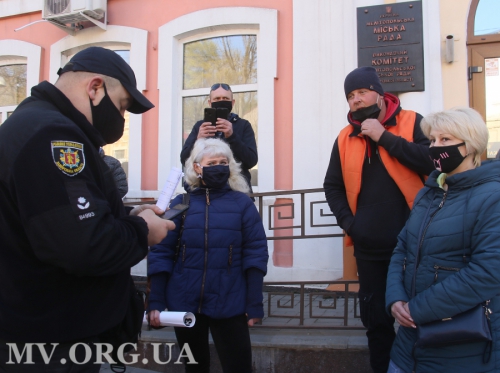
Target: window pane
(245, 106)
(12, 84)
(192, 111)
(226, 59)
(492, 81)
(486, 21)
(119, 149)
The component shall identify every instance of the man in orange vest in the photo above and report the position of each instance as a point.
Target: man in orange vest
(376, 169)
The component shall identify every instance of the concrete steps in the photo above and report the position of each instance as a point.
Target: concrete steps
(273, 350)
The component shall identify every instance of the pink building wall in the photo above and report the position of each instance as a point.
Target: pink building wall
(150, 15)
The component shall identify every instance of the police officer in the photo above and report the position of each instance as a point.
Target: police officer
(67, 241)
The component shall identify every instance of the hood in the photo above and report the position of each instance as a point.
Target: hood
(488, 171)
(393, 106)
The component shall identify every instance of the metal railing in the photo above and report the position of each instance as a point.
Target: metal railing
(303, 304)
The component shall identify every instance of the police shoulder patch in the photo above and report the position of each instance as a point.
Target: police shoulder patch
(68, 156)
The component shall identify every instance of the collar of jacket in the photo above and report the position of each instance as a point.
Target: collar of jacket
(202, 189)
(233, 117)
(488, 171)
(48, 92)
(393, 106)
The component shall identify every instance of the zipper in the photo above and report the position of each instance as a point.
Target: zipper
(421, 242)
(428, 224)
(404, 264)
(230, 261)
(183, 257)
(438, 267)
(206, 252)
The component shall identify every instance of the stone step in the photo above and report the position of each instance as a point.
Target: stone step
(273, 351)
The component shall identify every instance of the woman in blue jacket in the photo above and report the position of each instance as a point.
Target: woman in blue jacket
(213, 264)
(447, 258)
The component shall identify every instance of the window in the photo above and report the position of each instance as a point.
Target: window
(12, 88)
(226, 59)
(180, 105)
(486, 20)
(119, 149)
(19, 71)
(131, 43)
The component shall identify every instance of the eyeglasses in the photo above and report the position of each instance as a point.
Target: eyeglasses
(224, 86)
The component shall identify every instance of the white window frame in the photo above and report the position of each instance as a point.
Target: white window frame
(21, 52)
(205, 24)
(115, 37)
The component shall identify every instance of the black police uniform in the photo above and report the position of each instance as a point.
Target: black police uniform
(66, 241)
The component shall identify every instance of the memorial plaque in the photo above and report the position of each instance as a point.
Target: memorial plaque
(390, 39)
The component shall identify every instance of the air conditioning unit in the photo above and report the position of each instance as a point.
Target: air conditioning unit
(68, 13)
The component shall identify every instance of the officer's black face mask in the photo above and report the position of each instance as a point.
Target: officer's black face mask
(107, 119)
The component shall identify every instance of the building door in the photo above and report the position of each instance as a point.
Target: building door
(483, 40)
(484, 75)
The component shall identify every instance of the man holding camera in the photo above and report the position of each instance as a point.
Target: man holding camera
(236, 131)
(375, 172)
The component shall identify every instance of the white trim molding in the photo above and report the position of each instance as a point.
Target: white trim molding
(200, 25)
(134, 39)
(10, 8)
(31, 53)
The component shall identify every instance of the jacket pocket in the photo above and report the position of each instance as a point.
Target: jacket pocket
(443, 270)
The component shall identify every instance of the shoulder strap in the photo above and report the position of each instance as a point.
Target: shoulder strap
(185, 201)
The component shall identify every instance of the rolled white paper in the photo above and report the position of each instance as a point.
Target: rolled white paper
(169, 188)
(172, 318)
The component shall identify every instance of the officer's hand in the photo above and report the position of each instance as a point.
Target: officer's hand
(158, 227)
(138, 209)
(372, 128)
(224, 126)
(154, 318)
(206, 130)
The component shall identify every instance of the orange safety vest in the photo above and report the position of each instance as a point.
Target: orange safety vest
(352, 155)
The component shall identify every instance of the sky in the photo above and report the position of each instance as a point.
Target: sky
(487, 19)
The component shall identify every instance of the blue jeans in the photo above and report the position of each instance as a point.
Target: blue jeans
(393, 368)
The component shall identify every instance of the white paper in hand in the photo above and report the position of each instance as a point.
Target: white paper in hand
(169, 188)
(171, 318)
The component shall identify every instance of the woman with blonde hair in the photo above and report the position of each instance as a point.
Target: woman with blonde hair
(448, 254)
(214, 262)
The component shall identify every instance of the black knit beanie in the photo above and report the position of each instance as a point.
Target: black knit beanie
(363, 77)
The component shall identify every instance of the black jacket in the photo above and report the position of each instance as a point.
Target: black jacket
(118, 172)
(382, 209)
(66, 242)
(242, 144)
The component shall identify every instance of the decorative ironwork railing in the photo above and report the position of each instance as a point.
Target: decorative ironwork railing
(297, 215)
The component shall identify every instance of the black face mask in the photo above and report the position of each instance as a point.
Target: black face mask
(446, 158)
(227, 104)
(361, 115)
(107, 119)
(215, 176)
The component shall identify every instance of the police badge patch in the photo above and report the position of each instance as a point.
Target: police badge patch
(68, 156)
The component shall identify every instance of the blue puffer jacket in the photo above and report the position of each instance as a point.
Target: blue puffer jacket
(459, 267)
(223, 237)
